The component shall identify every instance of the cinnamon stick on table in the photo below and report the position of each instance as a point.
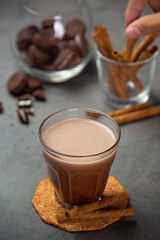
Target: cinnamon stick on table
(90, 207)
(100, 214)
(137, 115)
(128, 109)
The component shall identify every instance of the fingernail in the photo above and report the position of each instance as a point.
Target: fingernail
(133, 32)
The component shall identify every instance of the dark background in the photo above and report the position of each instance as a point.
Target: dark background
(136, 166)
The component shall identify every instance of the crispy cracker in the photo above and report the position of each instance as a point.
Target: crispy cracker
(48, 207)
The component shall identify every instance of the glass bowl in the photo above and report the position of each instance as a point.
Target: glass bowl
(51, 39)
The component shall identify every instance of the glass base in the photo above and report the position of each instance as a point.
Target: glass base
(116, 102)
(65, 205)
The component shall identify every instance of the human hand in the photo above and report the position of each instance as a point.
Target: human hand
(137, 26)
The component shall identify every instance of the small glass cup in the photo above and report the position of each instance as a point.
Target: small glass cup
(125, 83)
(39, 56)
(77, 181)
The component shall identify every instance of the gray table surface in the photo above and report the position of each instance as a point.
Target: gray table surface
(136, 166)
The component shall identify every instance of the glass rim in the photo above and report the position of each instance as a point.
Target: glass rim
(79, 156)
(125, 63)
(37, 13)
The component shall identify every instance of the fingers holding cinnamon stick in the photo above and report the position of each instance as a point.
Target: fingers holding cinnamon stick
(118, 73)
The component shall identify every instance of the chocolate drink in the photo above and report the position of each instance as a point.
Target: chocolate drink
(78, 164)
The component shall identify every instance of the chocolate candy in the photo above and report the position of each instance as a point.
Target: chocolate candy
(56, 46)
(24, 37)
(82, 45)
(45, 43)
(74, 27)
(24, 100)
(33, 83)
(17, 83)
(64, 59)
(47, 23)
(38, 56)
(39, 95)
(22, 115)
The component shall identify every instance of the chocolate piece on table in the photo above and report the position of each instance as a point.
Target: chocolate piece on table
(39, 95)
(45, 43)
(24, 37)
(74, 27)
(25, 96)
(17, 83)
(29, 111)
(64, 59)
(24, 100)
(33, 83)
(47, 23)
(22, 115)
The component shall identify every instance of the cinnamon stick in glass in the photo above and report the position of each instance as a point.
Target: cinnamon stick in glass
(142, 46)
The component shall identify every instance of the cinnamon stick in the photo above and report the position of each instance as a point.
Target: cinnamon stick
(128, 48)
(137, 82)
(117, 85)
(126, 73)
(137, 115)
(100, 214)
(90, 207)
(104, 33)
(128, 109)
(149, 52)
(142, 46)
(101, 44)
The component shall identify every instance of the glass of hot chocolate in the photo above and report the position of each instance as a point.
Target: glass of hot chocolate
(79, 146)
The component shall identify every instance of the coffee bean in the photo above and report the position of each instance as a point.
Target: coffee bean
(17, 83)
(39, 95)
